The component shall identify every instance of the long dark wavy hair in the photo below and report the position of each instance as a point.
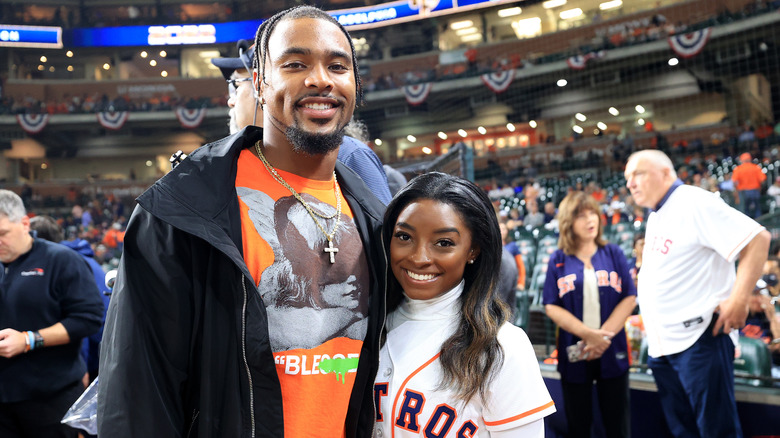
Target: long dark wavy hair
(472, 356)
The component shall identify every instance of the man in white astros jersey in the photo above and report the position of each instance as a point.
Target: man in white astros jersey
(691, 296)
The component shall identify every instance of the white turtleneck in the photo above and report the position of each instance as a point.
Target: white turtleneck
(409, 378)
(444, 307)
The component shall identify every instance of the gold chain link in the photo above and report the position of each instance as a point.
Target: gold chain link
(312, 213)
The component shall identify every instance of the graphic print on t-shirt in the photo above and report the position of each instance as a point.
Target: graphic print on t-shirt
(308, 302)
(317, 310)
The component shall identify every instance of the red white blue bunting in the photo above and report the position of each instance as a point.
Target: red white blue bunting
(498, 81)
(32, 123)
(690, 44)
(416, 94)
(190, 118)
(113, 119)
(578, 62)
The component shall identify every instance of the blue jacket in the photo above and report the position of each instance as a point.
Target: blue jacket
(563, 287)
(90, 347)
(46, 285)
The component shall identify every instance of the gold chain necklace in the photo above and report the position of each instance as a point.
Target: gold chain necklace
(331, 250)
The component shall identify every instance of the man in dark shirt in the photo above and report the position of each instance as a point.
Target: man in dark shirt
(48, 303)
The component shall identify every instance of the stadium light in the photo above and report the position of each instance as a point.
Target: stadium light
(562, 82)
(640, 109)
(509, 12)
(577, 128)
(614, 111)
(462, 133)
(378, 142)
(426, 150)
(581, 117)
(411, 138)
(673, 62)
(602, 126)
(553, 4)
(570, 13)
(482, 130)
(466, 31)
(510, 127)
(461, 24)
(442, 135)
(532, 123)
(611, 5)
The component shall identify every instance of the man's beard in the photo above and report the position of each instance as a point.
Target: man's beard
(314, 144)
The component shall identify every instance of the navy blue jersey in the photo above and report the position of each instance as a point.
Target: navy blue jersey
(563, 287)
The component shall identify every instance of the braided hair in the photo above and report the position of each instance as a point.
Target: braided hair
(267, 27)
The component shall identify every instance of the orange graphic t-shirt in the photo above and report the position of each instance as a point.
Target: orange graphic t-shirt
(317, 310)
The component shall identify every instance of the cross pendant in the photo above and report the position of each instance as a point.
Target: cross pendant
(331, 251)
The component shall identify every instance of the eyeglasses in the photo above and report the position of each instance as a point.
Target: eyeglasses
(233, 85)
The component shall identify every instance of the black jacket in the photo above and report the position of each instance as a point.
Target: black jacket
(186, 349)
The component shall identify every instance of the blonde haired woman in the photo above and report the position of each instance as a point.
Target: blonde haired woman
(589, 294)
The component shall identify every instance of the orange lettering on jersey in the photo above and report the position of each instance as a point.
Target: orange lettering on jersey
(602, 278)
(566, 284)
(615, 282)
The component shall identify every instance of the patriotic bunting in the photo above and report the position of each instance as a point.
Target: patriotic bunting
(190, 118)
(498, 81)
(416, 94)
(578, 62)
(690, 44)
(112, 119)
(32, 123)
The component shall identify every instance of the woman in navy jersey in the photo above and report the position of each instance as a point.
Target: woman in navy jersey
(589, 294)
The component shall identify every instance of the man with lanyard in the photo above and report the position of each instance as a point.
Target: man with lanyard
(245, 110)
(690, 295)
(250, 297)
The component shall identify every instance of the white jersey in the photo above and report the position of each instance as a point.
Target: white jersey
(691, 243)
(407, 392)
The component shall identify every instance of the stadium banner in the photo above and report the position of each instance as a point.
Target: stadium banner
(190, 118)
(690, 44)
(579, 62)
(359, 18)
(498, 81)
(113, 119)
(43, 37)
(32, 123)
(416, 94)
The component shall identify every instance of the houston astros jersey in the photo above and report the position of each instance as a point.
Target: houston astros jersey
(688, 265)
(409, 398)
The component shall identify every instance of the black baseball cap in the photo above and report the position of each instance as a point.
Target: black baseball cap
(246, 54)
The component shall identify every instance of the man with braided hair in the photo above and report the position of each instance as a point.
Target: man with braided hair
(250, 296)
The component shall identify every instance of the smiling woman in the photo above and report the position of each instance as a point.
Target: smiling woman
(451, 362)
(589, 294)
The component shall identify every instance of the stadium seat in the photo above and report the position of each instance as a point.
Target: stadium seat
(753, 360)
